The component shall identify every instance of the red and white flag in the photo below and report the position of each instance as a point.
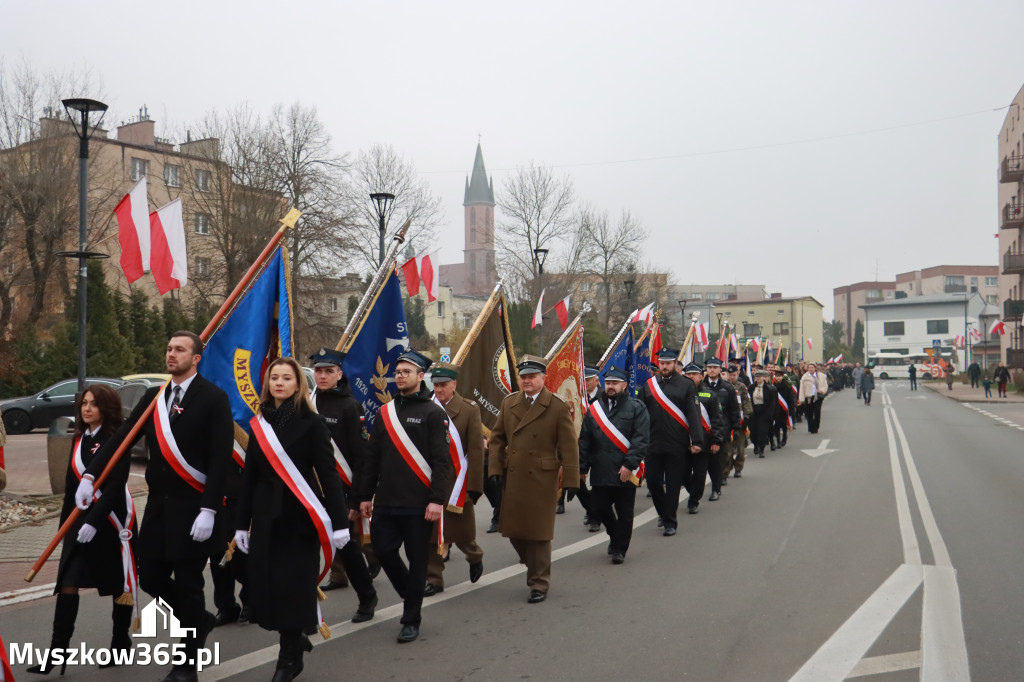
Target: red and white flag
(562, 310)
(958, 342)
(168, 259)
(702, 335)
(975, 334)
(133, 230)
(656, 345)
(643, 314)
(997, 328)
(755, 345)
(810, 343)
(538, 315)
(839, 358)
(430, 275)
(411, 272)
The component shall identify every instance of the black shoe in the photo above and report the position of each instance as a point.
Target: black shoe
(760, 455)
(692, 510)
(586, 519)
(408, 633)
(46, 668)
(595, 527)
(618, 558)
(714, 496)
(648, 493)
(243, 615)
(205, 628)
(560, 509)
(475, 571)
(431, 589)
(187, 674)
(669, 532)
(661, 522)
(725, 480)
(365, 610)
(332, 585)
(225, 616)
(536, 596)
(493, 528)
(610, 550)
(374, 567)
(737, 474)
(773, 447)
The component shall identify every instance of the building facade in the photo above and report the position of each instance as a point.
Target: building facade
(1010, 207)
(476, 274)
(789, 321)
(702, 298)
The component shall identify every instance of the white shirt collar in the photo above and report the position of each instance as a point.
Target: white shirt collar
(184, 386)
(92, 432)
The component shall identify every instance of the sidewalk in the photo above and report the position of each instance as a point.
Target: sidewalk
(963, 393)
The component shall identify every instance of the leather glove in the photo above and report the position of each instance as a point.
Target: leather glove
(202, 527)
(495, 480)
(242, 540)
(340, 538)
(83, 496)
(474, 495)
(86, 533)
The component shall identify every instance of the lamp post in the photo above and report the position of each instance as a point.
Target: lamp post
(540, 255)
(682, 315)
(84, 128)
(630, 285)
(381, 203)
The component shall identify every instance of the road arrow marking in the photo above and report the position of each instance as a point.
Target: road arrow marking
(820, 450)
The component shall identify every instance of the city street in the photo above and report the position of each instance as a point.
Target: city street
(884, 545)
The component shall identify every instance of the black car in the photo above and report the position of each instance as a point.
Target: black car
(131, 393)
(21, 415)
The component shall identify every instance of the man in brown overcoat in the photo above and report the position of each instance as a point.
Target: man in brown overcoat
(459, 523)
(532, 440)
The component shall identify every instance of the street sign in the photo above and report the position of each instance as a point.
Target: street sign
(446, 354)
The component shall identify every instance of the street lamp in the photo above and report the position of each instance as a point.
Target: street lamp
(83, 108)
(682, 315)
(540, 255)
(381, 203)
(630, 284)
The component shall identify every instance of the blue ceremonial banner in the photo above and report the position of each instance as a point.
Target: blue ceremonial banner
(256, 332)
(644, 369)
(377, 343)
(622, 357)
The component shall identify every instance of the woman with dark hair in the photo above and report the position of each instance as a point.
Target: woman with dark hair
(97, 550)
(294, 501)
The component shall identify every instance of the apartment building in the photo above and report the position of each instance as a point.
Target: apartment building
(1010, 207)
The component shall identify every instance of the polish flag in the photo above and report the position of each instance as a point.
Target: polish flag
(133, 230)
(643, 314)
(839, 358)
(562, 309)
(703, 335)
(755, 345)
(997, 328)
(538, 316)
(429, 275)
(168, 259)
(975, 334)
(810, 343)
(411, 272)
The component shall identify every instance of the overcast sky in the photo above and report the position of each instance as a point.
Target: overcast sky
(798, 145)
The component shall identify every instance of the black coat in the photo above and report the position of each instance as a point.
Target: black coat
(726, 393)
(600, 456)
(98, 562)
(284, 550)
(204, 432)
(344, 418)
(766, 411)
(716, 415)
(667, 435)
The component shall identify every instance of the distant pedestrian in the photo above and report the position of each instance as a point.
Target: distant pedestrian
(949, 377)
(987, 383)
(866, 385)
(813, 387)
(974, 373)
(912, 372)
(1001, 375)
(858, 372)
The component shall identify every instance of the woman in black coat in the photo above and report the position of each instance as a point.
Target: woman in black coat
(766, 401)
(97, 548)
(285, 552)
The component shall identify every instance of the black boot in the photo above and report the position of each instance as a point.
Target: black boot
(64, 615)
(289, 659)
(121, 639)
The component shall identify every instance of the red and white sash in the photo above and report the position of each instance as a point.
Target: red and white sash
(344, 468)
(669, 406)
(704, 418)
(785, 408)
(295, 481)
(410, 453)
(615, 436)
(169, 447)
(238, 454)
(457, 500)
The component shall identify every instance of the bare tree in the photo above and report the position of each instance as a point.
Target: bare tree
(609, 253)
(381, 169)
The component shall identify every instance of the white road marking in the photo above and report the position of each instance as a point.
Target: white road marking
(927, 517)
(26, 594)
(822, 449)
(911, 550)
(993, 416)
(876, 665)
(942, 630)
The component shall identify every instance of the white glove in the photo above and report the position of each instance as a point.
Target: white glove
(242, 540)
(86, 533)
(202, 527)
(83, 496)
(340, 538)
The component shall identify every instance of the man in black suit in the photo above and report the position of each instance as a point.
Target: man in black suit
(189, 439)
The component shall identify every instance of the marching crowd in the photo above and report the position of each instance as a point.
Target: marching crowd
(315, 492)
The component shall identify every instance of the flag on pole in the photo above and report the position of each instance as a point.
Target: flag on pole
(643, 354)
(734, 344)
(722, 352)
(621, 355)
(810, 343)
(538, 315)
(562, 310)
(411, 273)
(975, 334)
(839, 358)
(642, 314)
(997, 328)
(487, 361)
(565, 374)
(133, 230)
(422, 270)
(702, 336)
(168, 259)
(755, 345)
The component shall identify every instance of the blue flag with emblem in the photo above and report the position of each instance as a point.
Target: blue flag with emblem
(378, 341)
(622, 356)
(642, 355)
(257, 331)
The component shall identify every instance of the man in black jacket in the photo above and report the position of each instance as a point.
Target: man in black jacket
(408, 469)
(676, 433)
(344, 418)
(613, 442)
(716, 429)
(726, 394)
(188, 464)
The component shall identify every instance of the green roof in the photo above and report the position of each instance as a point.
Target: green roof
(479, 190)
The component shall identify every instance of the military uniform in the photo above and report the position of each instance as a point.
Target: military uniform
(695, 470)
(726, 394)
(738, 451)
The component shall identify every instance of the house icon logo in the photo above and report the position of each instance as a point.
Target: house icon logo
(158, 614)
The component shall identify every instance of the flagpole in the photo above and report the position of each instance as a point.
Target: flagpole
(287, 222)
(688, 339)
(569, 329)
(387, 266)
(615, 342)
(478, 324)
(647, 331)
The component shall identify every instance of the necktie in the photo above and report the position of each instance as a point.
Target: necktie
(611, 404)
(175, 402)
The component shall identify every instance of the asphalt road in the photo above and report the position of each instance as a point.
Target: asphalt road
(819, 567)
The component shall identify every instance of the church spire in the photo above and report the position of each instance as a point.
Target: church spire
(479, 190)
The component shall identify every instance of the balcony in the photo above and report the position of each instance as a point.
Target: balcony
(1013, 216)
(1013, 263)
(1012, 168)
(955, 289)
(1013, 309)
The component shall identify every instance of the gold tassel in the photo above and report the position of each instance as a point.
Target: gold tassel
(366, 538)
(442, 548)
(320, 596)
(325, 631)
(136, 624)
(125, 599)
(230, 551)
(453, 509)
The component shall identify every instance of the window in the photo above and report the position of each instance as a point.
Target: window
(203, 180)
(992, 299)
(751, 329)
(65, 389)
(139, 168)
(780, 328)
(202, 223)
(873, 294)
(937, 326)
(467, 320)
(974, 284)
(586, 286)
(202, 268)
(172, 176)
(332, 305)
(696, 297)
(440, 308)
(954, 280)
(991, 281)
(892, 328)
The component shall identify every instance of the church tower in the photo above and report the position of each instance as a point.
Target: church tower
(478, 255)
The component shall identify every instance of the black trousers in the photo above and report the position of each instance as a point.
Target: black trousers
(614, 505)
(492, 491)
(760, 429)
(665, 479)
(224, 579)
(695, 472)
(389, 533)
(813, 411)
(179, 582)
(352, 559)
(583, 495)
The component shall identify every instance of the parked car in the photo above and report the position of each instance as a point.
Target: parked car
(21, 415)
(154, 376)
(131, 393)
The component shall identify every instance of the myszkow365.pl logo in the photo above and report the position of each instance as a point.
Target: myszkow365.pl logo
(156, 616)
